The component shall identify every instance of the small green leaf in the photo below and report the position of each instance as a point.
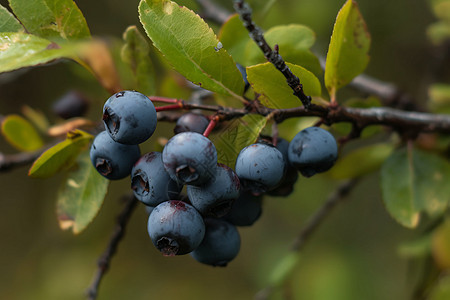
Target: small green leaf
(294, 42)
(36, 117)
(234, 37)
(9, 23)
(61, 156)
(55, 20)
(269, 82)
(438, 32)
(348, 50)
(135, 53)
(81, 196)
(361, 161)
(439, 97)
(19, 50)
(21, 134)
(191, 46)
(412, 182)
(236, 135)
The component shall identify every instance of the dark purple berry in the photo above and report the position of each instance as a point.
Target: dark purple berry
(129, 117)
(151, 183)
(260, 167)
(111, 159)
(70, 105)
(175, 228)
(215, 197)
(190, 158)
(246, 210)
(220, 245)
(191, 122)
(313, 150)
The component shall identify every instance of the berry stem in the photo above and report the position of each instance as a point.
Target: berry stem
(169, 107)
(212, 124)
(163, 99)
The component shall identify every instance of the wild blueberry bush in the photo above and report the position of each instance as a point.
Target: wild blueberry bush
(257, 116)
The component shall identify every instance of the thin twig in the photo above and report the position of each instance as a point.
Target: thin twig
(213, 11)
(313, 224)
(317, 219)
(116, 237)
(10, 161)
(245, 13)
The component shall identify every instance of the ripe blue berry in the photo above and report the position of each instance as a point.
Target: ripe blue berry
(175, 228)
(129, 117)
(260, 167)
(151, 183)
(313, 150)
(191, 122)
(111, 159)
(215, 197)
(286, 186)
(70, 105)
(246, 210)
(190, 158)
(220, 245)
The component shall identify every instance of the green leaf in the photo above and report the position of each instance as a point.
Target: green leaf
(234, 37)
(269, 82)
(439, 97)
(361, 161)
(294, 42)
(21, 134)
(9, 23)
(412, 182)
(61, 156)
(136, 53)
(81, 196)
(190, 46)
(236, 135)
(418, 247)
(24, 50)
(56, 20)
(438, 32)
(348, 50)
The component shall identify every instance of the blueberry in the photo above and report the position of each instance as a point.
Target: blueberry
(313, 150)
(243, 71)
(190, 158)
(220, 245)
(215, 197)
(111, 159)
(260, 167)
(151, 183)
(129, 117)
(246, 210)
(175, 228)
(191, 122)
(70, 105)
(286, 186)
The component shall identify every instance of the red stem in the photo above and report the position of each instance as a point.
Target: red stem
(163, 99)
(169, 107)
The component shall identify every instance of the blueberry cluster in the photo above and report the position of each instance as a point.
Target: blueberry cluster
(202, 222)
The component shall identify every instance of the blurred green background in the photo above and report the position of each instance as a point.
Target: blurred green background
(354, 255)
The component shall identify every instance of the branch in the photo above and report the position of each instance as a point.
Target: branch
(213, 11)
(8, 162)
(313, 224)
(116, 237)
(245, 13)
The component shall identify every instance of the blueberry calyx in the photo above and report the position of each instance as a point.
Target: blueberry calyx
(103, 166)
(167, 246)
(112, 121)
